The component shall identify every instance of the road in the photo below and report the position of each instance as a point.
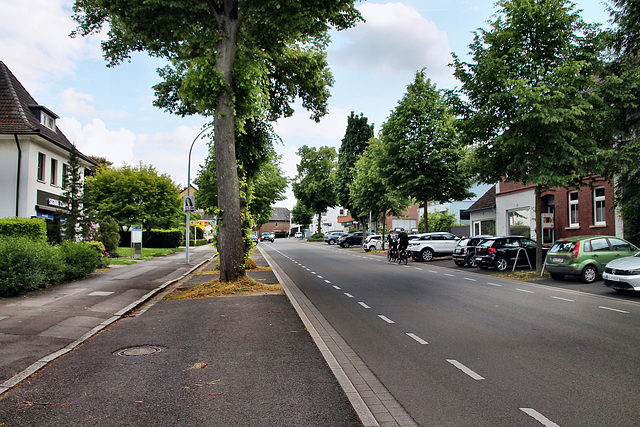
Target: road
(460, 348)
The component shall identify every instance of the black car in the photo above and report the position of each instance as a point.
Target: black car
(353, 239)
(503, 252)
(465, 251)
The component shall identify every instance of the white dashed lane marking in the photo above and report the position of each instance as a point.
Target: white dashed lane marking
(539, 417)
(385, 318)
(417, 338)
(466, 370)
(564, 299)
(614, 309)
(363, 304)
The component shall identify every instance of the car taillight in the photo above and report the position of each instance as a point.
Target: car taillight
(576, 249)
(492, 250)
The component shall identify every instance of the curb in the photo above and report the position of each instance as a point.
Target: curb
(44, 361)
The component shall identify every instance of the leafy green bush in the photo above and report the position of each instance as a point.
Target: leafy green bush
(520, 230)
(26, 265)
(81, 259)
(316, 237)
(31, 228)
(108, 235)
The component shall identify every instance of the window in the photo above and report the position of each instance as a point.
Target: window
(65, 173)
(599, 213)
(47, 120)
(54, 172)
(599, 245)
(573, 209)
(41, 160)
(620, 245)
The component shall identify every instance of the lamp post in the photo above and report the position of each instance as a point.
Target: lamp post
(186, 259)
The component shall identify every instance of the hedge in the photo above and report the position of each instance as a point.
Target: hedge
(156, 238)
(31, 228)
(26, 265)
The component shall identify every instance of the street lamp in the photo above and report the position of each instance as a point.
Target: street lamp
(186, 260)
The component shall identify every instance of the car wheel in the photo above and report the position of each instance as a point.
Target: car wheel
(459, 263)
(501, 264)
(472, 262)
(589, 274)
(426, 254)
(367, 249)
(345, 245)
(556, 276)
(332, 242)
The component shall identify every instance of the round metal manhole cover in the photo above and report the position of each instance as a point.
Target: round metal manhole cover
(139, 350)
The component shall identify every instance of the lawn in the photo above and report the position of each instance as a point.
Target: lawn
(124, 255)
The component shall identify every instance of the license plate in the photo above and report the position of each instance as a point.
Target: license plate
(557, 260)
(607, 276)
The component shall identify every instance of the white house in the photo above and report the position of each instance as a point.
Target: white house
(34, 154)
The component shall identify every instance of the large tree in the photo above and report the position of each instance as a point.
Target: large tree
(230, 60)
(134, 195)
(314, 186)
(354, 143)
(532, 111)
(422, 150)
(368, 190)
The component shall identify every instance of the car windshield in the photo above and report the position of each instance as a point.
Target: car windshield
(563, 246)
(487, 243)
(463, 242)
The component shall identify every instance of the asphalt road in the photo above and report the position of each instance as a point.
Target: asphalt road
(460, 348)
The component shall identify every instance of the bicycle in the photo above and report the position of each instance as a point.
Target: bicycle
(403, 255)
(392, 255)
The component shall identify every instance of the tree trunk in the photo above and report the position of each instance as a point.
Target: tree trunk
(539, 260)
(384, 228)
(319, 220)
(426, 217)
(230, 243)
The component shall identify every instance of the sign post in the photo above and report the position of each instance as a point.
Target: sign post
(136, 240)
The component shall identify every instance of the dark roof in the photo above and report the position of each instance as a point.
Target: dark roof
(280, 214)
(20, 113)
(487, 201)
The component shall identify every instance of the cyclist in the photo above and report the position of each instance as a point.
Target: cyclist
(393, 245)
(403, 244)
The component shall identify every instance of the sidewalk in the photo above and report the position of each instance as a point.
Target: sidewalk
(227, 361)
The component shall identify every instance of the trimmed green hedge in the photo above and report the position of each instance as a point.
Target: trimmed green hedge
(26, 265)
(156, 239)
(31, 228)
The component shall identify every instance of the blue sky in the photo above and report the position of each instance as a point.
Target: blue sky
(108, 111)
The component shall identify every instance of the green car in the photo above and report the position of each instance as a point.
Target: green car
(585, 256)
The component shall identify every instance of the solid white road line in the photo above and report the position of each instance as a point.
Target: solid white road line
(614, 309)
(363, 304)
(417, 338)
(539, 417)
(464, 369)
(385, 318)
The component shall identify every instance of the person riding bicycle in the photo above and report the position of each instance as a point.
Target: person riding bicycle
(392, 239)
(403, 241)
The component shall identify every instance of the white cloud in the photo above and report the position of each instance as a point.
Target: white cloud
(394, 38)
(77, 103)
(94, 139)
(35, 43)
(299, 130)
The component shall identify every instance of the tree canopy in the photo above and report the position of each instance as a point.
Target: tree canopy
(135, 195)
(314, 186)
(533, 113)
(354, 143)
(231, 60)
(422, 150)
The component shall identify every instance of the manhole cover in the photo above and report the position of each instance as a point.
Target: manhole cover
(139, 350)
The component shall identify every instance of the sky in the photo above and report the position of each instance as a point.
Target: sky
(109, 112)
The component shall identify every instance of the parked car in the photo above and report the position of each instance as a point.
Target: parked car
(267, 236)
(503, 252)
(353, 239)
(332, 238)
(465, 251)
(373, 243)
(298, 235)
(585, 256)
(623, 274)
(427, 245)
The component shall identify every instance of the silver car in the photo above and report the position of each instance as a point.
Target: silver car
(623, 274)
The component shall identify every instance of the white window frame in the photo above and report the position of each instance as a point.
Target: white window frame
(574, 206)
(599, 200)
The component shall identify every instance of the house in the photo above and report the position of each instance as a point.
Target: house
(34, 154)
(409, 221)
(279, 222)
(586, 210)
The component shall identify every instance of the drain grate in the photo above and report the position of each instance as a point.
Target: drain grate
(139, 350)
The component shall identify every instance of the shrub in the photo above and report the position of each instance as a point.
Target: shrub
(108, 235)
(317, 237)
(520, 230)
(26, 265)
(156, 238)
(31, 228)
(81, 259)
